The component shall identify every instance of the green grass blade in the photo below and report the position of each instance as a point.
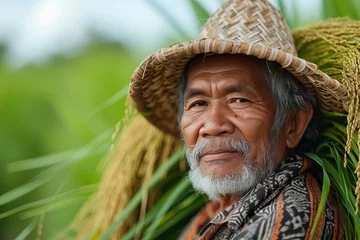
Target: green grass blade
(135, 201)
(281, 5)
(192, 206)
(333, 114)
(178, 190)
(324, 193)
(39, 162)
(26, 232)
(356, 8)
(24, 189)
(328, 9)
(338, 160)
(285, 13)
(59, 197)
(169, 18)
(151, 214)
(71, 156)
(333, 172)
(45, 176)
(200, 12)
(339, 126)
(108, 103)
(332, 136)
(52, 206)
(347, 227)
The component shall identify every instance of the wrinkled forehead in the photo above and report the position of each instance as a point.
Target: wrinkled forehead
(212, 64)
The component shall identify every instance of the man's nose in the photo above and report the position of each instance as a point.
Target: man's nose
(217, 122)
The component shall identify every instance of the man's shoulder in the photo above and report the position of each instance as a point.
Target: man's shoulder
(292, 213)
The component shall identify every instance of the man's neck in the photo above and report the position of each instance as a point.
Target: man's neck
(226, 201)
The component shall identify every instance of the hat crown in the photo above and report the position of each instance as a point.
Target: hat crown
(252, 21)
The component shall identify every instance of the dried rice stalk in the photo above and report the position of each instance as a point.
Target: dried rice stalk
(334, 45)
(140, 150)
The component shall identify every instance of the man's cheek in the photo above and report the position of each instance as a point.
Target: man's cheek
(190, 132)
(191, 159)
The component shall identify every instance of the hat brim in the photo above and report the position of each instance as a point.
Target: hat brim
(154, 84)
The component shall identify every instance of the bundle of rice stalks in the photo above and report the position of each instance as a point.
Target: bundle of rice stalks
(334, 45)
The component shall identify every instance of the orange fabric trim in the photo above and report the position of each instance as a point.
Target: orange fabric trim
(312, 216)
(306, 165)
(280, 217)
(338, 221)
(198, 221)
(205, 215)
(315, 197)
(209, 233)
(202, 218)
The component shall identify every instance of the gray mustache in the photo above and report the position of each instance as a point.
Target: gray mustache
(241, 146)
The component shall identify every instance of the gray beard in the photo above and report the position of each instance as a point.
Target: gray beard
(230, 184)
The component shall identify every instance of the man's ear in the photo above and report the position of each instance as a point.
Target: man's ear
(296, 126)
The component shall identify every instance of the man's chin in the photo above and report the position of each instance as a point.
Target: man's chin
(218, 171)
(216, 187)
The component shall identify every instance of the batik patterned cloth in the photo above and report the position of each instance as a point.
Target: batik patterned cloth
(283, 206)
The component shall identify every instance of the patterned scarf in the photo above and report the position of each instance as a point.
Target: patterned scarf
(283, 206)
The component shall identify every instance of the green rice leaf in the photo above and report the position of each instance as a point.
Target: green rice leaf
(200, 12)
(39, 162)
(332, 136)
(150, 215)
(342, 128)
(59, 197)
(347, 227)
(52, 207)
(334, 114)
(356, 8)
(169, 19)
(338, 160)
(287, 15)
(70, 157)
(324, 192)
(135, 201)
(108, 103)
(332, 171)
(26, 232)
(189, 207)
(28, 187)
(329, 11)
(48, 174)
(178, 189)
(281, 5)
(182, 207)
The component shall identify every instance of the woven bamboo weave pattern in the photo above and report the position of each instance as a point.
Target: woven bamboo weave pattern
(250, 21)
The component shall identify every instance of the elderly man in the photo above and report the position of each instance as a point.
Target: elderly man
(246, 106)
(241, 119)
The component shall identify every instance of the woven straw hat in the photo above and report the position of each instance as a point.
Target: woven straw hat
(251, 27)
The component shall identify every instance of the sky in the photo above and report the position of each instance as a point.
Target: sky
(35, 30)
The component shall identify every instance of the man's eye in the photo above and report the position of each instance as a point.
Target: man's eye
(198, 104)
(241, 100)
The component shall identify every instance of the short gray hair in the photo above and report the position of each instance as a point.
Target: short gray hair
(289, 96)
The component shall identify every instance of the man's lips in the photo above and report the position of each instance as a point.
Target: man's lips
(218, 154)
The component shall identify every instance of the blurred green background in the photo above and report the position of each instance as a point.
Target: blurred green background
(58, 113)
(53, 108)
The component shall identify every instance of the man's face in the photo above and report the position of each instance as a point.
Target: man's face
(227, 100)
